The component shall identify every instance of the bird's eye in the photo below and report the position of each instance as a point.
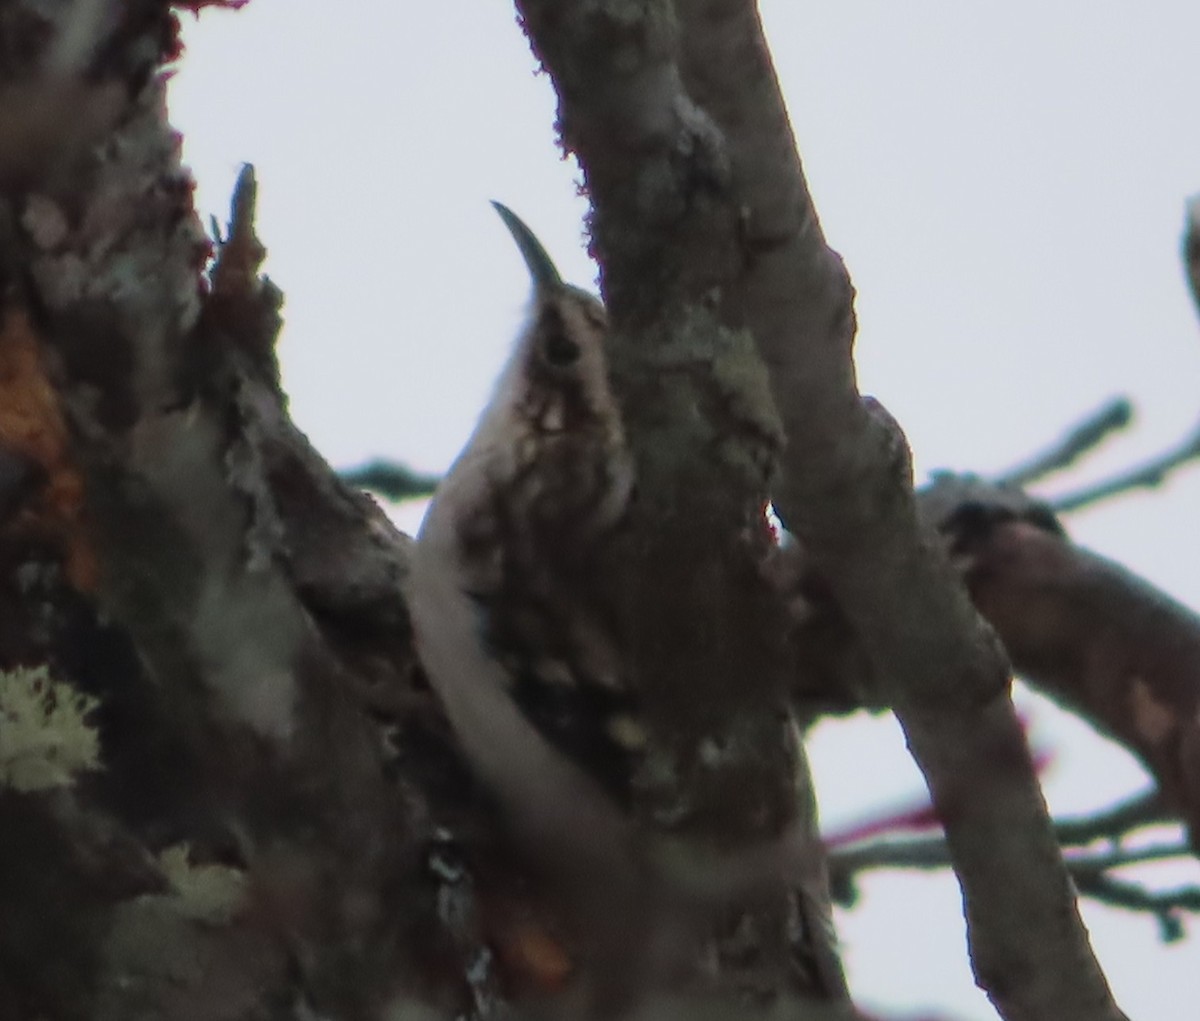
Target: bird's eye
(560, 350)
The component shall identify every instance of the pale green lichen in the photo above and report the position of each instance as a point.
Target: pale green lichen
(202, 893)
(744, 377)
(718, 400)
(175, 941)
(45, 738)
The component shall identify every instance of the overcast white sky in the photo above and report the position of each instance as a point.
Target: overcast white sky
(1006, 183)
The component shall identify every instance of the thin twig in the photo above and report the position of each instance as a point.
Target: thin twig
(1147, 475)
(1082, 863)
(390, 479)
(899, 853)
(1191, 247)
(1164, 905)
(1083, 437)
(1090, 870)
(1114, 823)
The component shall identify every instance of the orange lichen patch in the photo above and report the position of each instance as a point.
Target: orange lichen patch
(533, 957)
(32, 426)
(1152, 720)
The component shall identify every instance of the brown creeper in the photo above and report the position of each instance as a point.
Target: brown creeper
(508, 623)
(515, 627)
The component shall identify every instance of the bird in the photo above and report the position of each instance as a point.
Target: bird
(513, 619)
(507, 614)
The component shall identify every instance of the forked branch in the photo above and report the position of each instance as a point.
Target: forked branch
(699, 198)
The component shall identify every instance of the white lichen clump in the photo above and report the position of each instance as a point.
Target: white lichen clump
(203, 893)
(45, 738)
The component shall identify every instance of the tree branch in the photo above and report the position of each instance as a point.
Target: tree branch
(175, 547)
(1164, 905)
(1103, 642)
(1116, 414)
(846, 491)
(1097, 638)
(1191, 248)
(1081, 439)
(1091, 872)
(390, 479)
(1113, 823)
(1090, 867)
(1148, 475)
(697, 413)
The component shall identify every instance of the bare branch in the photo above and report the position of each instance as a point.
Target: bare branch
(1113, 823)
(1086, 435)
(1097, 638)
(1089, 870)
(1191, 247)
(949, 502)
(1148, 475)
(1165, 905)
(846, 492)
(1092, 862)
(1090, 867)
(933, 853)
(390, 479)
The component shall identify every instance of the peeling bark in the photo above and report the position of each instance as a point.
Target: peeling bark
(174, 547)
